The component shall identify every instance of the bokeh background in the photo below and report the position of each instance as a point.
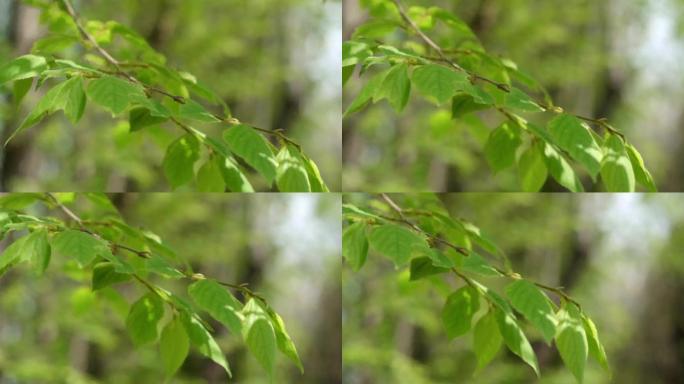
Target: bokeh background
(620, 255)
(620, 59)
(287, 247)
(275, 62)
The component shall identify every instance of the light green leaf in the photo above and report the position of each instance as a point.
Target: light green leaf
(501, 146)
(13, 254)
(291, 175)
(375, 28)
(203, 341)
(105, 274)
(574, 137)
(560, 169)
(235, 179)
(20, 89)
(616, 171)
(315, 178)
(527, 299)
(422, 267)
(474, 263)
(458, 311)
(515, 339)
(395, 87)
(355, 245)
(192, 110)
(219, 302)
(438, 82)
(532, 170)
(642, 175)
(258, 333)
(596, 349)
(283, 339)
(23, 67)
(245, 142)
(180, 159)
(396, 242)
(486, 339)
(75, 102)
(209, 177)
(143, 319)
(83, 247)
(571, 340)
(114, 93)
(173, 346)
(37, 250)
(521, 101)
(19, 201)
(367, 92)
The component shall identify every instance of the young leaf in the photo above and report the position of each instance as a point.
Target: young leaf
(219, 302)
(75, 102)
(105, 274)
(258, 333)
(283, 340)
(438, 82)
(521, 101)
(617, 172)
(571, 340)
(245, 142)
(532, 170)
(192, 110)
(23, 67)
(291, 175)
(203, 341)
(395, 242)
(37, 250)
(173, 346)
(515, 339)
(574, 137)
(81, 246)
(210, 178)
(396, 87)
(527, 299)
(560, 169)
(114, 94)
(501, 146)
(642, 175)
(596, 349)
(143, 319)
(13, 254)
(486, 339)
(367, 92)
(458, 311)
(422, 267)
(355, 245)
(235, 180)
(463, 104)
(180, 159)
(139, 118)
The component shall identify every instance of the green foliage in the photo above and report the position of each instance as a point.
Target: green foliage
(462, 71)
(115, 253)
(436, 245)
(154, 94)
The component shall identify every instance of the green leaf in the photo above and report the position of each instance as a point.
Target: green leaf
(23, 67)
(375, 28)
(315, 178)
(180, 159)
(291, 175)
(571, 340)
(521, 101)
(574, 137)
(560, 169)
(20, 89)
(501, 146)
(463, 104)
(616, 171)
(486, 339)
(458, 311)
(83, 247)
(143, 319)
(37, 250)
(527, 299)
(438, 82)
(596, 349)
(396, 242)
(395, 87)
(422, 267)
(140, 117)
(258, 333)
(173, 346)
(75, 102)
(105, 274)
(355, 245)
(283, 339)
(17, 201)
(367, 92)
(158, 264)
(475, 263)
(245, 142)
(203, 341)
(220, 303)
(532, 170)
(209, 177)
(192, 110)
(515, 339)
(13, 254)
(642, 175)
(114, 94)
(235, 180)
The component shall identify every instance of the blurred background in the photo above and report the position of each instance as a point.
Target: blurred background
(287, 247)
(620, 59)
(275, 62)
(619, 255)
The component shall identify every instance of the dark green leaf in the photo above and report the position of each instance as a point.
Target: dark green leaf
(422, 267)
(463, 104)
(140, 118)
